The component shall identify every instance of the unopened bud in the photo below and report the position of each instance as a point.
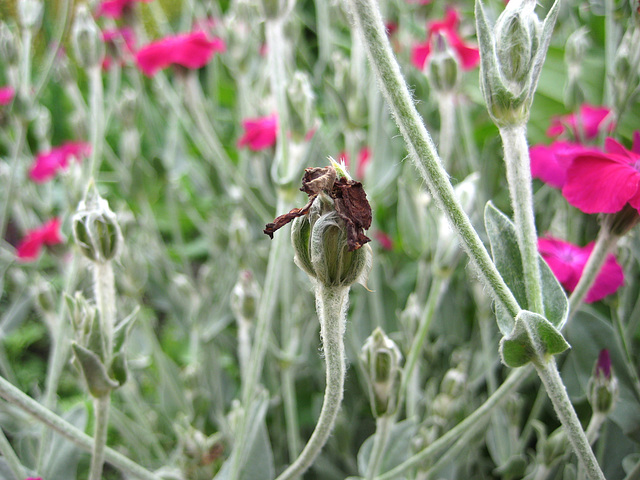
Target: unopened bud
(96, 228)
(30, 13)
(8, 45)
(42, 123)
(453, 382)
(87, 39)
(381, 359)
(301, 101)
(603, 385)
(576, 47)
(274, 9)
(517, 39)
(442, 67)
(245, 296)
(81, 313)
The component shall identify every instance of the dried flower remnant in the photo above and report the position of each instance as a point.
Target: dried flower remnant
(349, 197)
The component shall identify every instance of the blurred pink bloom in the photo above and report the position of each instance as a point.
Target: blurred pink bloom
(6, 95)
(384, 239)
(259, 133)
(190, 50)
(122, 40)
(603, 365)
(364, 158)
(590, 122)
(115, 8)
(31, 245)
(420, 2)
(33, 478)
(549, 163)
(469, 56)
(47, 164)
(599, 182)
(567, 261)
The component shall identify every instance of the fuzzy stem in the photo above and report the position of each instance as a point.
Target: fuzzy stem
(105, 296)
(96, 108)
(10, 457)
(21, 400)
(101, 414)
(447, 136)
(5, 210)
(290, 410)
(244, 345)
(548, 373)
(383, 430)
(421, 148)
(25, 63)
(331, 303)
(513, 380)
(605, 243)
(516, 157)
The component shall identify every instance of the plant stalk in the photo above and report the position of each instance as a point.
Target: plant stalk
(384, 425)
(101, 414)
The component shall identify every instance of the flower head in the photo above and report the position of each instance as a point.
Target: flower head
(567, 261)
(31, 245)
(549, 163)
(47, 164)
(604, 182)
(589, 122)
(189, 50)
(259, 133)
(468, 56)
(6, 95)
(115, 8)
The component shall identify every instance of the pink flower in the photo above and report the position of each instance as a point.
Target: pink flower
(603, 365)
(31, 245)
(599, 182)
(469, 56)
(259, 133)
(6, 95)
(549, 163)
(590, 122)
(190, 50)
(364, 158)
(115, 8)
(567, 261)
(47, 164)
(384, 239)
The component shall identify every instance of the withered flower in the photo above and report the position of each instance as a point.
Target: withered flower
(349, 199)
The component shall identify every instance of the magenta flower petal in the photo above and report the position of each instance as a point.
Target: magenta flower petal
(567, 262)
(31, 245)
(6, 95)
(115, 8)
(589, 121)
(364, 158)
(601, 183)
(419, 54)
(636, 142)
(545, 165)
(191, 50)
(469, 56)
(260, 133)
(47, 164)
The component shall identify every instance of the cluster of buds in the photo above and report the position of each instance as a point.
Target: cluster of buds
(95, 228)
(327, 233)
(382, 361)
(512, 54)
(103, 366)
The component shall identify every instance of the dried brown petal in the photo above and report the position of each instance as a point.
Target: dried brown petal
(282, 220)
(316, 180)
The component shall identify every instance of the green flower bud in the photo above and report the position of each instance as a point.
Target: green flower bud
(30, 13)
(576, 47)
(95, 227)
(8, 45)
(603, 390)
(442, 68)
(381, 359)
(86, 38)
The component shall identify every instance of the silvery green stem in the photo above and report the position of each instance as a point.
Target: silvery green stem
(331, 304)
(548, 373)
(516, 158)
(10, 457)
(278, 76)
(447, 135)
(96, 109)
(593, 429)
(25, 62)
(101, 423)
(19, 399)
(421, 148)
(452, 436)
(244, 345)
(61, 27)
(384, 425)
(290, 410)
(20, 138)
(605, 243)
(105, 296)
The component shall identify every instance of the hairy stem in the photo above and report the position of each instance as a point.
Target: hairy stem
(421, 148)
(384, 425)
(101, 423)
(331, 303)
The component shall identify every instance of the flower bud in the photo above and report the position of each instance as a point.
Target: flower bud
(95, 227)
(381, 359)
(30, 13)
(87, 41)
(603, 385)
(301, 102)
(576, 47)
(42, 124)
(274, 9)
(245, 296)
(442, 67)
(8, 45)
